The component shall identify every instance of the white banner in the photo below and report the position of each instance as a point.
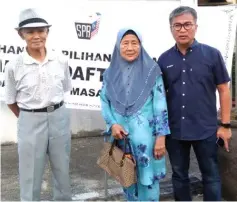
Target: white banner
(85, 31)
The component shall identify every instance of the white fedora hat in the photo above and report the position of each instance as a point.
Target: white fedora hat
(31, 18)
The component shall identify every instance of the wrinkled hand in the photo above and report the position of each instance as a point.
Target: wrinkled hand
(225, 134)
(159, 148)
(118, 132)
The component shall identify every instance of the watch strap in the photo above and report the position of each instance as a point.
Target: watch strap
(225, 125)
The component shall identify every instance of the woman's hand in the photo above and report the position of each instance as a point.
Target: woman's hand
(118, 132)
(159, 148)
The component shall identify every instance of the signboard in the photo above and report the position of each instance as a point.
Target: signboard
(85, 31)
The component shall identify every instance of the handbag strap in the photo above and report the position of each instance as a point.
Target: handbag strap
(127, 142)
(112, 146)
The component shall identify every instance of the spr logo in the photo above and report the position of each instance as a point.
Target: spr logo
(88, 29)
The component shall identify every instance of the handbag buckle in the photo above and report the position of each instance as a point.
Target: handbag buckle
(122, 163)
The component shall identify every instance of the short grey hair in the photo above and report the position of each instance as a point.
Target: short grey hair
(182, 10)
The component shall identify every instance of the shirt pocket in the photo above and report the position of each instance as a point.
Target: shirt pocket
(56, 79)
(201, 71)
(56, 76)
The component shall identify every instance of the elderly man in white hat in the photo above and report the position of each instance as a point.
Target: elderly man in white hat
(35, 85)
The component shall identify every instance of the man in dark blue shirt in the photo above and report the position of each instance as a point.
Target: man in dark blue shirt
(192, 73)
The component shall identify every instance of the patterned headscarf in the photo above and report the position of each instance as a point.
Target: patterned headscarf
(145, 71)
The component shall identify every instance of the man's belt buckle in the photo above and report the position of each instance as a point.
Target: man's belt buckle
(50, 109)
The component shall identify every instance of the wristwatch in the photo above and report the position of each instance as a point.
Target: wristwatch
(225, 125)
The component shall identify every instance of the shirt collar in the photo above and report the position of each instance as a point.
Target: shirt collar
(27, 59)
(193, 45)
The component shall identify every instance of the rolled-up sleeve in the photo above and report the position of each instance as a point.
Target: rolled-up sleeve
(10, 84)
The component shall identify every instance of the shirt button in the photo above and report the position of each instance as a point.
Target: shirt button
(183, 94)
(183, 117)
(183, 106)
(184, 70)
(191, 69)
(183, 59)
(183, 82)
(191, 50)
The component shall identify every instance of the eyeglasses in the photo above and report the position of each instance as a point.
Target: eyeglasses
(186, 26)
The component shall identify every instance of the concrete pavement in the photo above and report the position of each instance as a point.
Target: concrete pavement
(87, 177)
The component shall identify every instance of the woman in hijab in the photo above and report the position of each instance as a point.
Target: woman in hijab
(134, 105)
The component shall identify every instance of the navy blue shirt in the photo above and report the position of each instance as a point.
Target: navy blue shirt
(191, 81)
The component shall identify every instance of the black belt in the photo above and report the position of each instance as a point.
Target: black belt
(46, 109)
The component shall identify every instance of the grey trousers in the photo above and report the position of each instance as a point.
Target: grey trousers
(41, 134)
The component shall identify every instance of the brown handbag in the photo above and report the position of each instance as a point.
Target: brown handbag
(117, 163)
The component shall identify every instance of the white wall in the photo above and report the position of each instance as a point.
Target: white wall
(8, 124)
(85, 120)
(81, 120)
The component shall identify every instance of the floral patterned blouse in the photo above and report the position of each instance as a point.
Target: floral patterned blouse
(143, 127)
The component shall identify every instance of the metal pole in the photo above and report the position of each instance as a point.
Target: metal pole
(231, 88)
(235, 69)
(106, 177)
